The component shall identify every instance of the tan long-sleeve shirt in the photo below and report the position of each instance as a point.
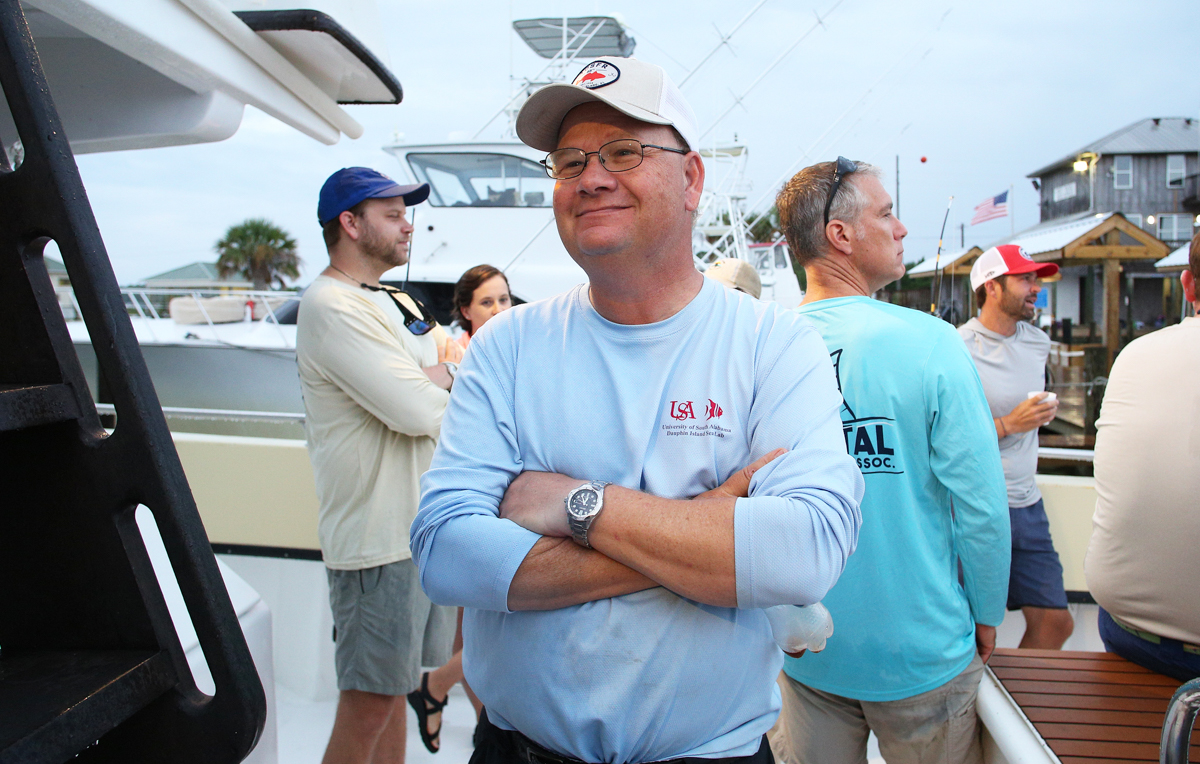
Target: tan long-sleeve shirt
(372, 419)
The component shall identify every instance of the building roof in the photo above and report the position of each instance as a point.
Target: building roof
(1078, 238)
(193, 274)
(1176, 261)
(1055, 234)
(55, 267)
(946, 261)
(1153, 135)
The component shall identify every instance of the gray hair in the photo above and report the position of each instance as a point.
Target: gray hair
(801, 205)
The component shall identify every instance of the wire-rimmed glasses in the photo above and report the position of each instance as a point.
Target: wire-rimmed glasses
(615, 156)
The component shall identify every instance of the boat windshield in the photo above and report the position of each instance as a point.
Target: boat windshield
(482, 180)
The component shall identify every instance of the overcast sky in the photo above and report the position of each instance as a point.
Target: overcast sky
(988, 92)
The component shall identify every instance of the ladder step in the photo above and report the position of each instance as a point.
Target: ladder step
(54, 703)
(22, 407)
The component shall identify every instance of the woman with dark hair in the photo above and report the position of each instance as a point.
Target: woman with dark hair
(481, 293)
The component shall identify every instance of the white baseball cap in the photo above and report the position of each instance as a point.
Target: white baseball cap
(736, 274)
(1004, 259)
(639, 89)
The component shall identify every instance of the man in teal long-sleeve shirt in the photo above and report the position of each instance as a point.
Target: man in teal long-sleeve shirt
(911, 634)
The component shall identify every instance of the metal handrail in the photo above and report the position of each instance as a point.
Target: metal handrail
(1066, 454)
(222, 415)
(139, 299)
(1177, 726)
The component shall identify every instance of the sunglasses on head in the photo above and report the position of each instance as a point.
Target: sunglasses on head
(417, 326)
(843, 168)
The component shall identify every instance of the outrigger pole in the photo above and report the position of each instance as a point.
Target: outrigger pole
(937, 261)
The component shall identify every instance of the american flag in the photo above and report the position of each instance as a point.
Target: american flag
(990, 209)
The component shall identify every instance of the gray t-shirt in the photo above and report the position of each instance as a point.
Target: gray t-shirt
(1010, 368)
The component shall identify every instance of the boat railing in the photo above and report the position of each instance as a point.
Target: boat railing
(1177, 726)
(150, 303)
(218, 415)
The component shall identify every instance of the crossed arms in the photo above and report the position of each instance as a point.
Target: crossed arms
(638, 541)
(492, 532)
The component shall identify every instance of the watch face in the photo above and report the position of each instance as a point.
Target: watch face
(583, 503)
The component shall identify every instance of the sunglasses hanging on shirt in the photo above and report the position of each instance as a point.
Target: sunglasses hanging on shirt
(417, 326)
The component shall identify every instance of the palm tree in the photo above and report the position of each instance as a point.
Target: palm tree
(259, 251)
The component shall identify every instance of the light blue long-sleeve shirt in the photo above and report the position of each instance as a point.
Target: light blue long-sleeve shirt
(916, 419)
(673, 409)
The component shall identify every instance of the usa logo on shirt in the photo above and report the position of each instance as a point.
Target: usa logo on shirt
(695, 418)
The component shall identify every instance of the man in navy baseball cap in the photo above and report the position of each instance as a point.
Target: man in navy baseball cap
(375, 369)
(351, 185)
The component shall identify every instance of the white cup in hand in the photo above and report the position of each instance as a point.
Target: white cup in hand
(1050, 397)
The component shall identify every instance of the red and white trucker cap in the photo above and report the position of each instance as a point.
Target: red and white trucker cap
(1007, 259)
(639, 89)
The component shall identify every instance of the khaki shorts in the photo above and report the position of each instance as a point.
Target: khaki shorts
(386, 629)
(935, 727)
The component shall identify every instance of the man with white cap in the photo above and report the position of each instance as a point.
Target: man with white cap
(375, 370)
(609, 616)
(1010, 354)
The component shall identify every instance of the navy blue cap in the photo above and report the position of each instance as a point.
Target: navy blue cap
(350, 185)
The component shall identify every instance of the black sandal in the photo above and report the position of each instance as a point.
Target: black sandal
(425, 705)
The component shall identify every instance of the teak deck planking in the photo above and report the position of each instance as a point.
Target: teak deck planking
(1090, 708)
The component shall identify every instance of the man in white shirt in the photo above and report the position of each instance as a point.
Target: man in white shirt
(375, 370)
(1141, 563)
(1010, 354)
(609, 617)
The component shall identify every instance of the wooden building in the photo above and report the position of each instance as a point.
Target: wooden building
(1147, 171)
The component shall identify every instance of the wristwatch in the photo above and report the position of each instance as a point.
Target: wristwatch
(583, 505)
(452, 370)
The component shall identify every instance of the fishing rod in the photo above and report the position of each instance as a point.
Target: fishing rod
(820, 22)
(772, 188)
(937, 274)
(807, 153)
(725, 38)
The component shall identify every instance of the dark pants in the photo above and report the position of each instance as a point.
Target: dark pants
(496, 746)
(1166, 656)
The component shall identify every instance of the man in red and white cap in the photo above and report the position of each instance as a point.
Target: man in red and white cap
(1010, 354)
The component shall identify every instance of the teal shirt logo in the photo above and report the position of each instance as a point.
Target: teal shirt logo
(870, 440)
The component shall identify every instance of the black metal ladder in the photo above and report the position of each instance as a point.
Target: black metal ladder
(90, 664)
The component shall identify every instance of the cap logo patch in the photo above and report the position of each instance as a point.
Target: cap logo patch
(1024, 254)
(596, 75)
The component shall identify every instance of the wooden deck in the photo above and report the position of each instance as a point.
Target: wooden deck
(1090, 708)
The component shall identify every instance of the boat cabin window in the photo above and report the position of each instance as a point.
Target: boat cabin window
(482, 180)
(762, 260)
(781, 262)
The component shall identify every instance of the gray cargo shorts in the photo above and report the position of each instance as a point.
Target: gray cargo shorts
(386, 629)
(935, 727)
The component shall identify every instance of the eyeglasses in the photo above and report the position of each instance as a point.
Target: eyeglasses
(615, 156)
(417, 326)
(844, 167)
